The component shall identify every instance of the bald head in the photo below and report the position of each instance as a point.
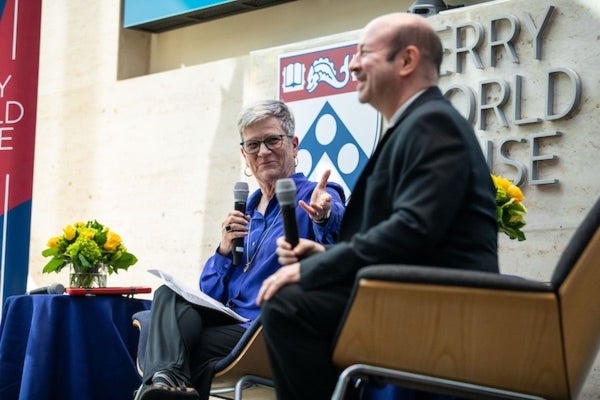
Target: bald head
(397, 56)
(403, 29)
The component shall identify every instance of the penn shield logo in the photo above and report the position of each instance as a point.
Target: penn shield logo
(336, 132)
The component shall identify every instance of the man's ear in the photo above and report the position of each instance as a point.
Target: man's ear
(408, 60)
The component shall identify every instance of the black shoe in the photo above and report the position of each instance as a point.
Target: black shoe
(166, 386)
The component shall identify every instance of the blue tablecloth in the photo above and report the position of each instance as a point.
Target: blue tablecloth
(67, 347)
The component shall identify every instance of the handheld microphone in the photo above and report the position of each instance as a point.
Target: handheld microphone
(53, 288)
(285, 190)
(240, 196)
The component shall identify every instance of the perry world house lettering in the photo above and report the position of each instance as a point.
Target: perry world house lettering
(506, 69)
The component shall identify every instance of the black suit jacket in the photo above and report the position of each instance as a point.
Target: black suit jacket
(424, 198)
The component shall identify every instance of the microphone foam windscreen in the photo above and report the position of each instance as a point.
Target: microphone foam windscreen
(240, 191)
(285, 190)
(56, 288)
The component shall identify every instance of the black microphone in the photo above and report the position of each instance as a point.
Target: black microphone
(240, 196)
(285, 190)
(53, 288)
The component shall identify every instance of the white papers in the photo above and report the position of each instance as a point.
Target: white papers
(194, 295)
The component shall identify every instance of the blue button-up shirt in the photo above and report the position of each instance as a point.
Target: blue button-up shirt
(237, 286)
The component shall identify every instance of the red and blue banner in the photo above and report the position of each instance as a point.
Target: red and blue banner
(19, 62)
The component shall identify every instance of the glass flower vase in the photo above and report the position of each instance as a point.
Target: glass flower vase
(94, 278)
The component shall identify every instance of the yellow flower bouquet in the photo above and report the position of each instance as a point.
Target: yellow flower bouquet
(510, 211)
(85, 247)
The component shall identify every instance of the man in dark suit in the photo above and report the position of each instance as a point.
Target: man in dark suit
(425, 198)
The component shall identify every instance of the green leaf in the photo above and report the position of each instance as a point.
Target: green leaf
(100, 238)
(54, 265)
(124, 261)
(52, 251)
(84, 262)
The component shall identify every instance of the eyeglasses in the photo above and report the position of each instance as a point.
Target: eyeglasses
(271, 142)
